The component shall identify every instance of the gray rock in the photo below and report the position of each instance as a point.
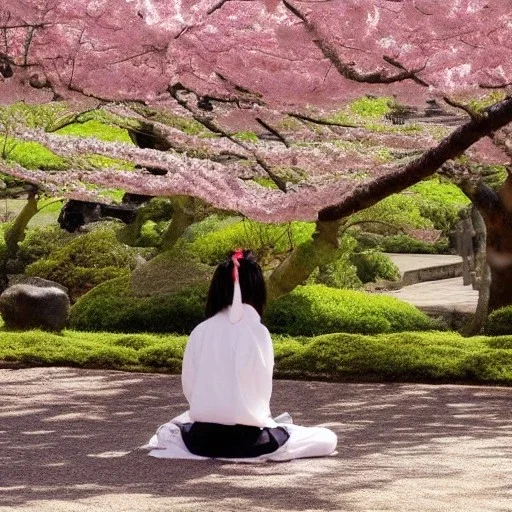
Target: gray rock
(24, 306)
(43, 283)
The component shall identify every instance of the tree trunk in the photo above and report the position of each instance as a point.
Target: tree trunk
(496, 210)
(475, 325)
(16, 233)
(300, 263)
(184, 215)
(500, 292)
(499, 250)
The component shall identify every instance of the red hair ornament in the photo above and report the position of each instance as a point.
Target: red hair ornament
(237, 311)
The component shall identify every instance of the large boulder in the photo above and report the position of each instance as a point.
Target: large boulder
(24, 306)
(37, 281)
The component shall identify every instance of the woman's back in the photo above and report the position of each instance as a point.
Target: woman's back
(227, 370)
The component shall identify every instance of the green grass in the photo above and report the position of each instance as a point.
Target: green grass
(97, 130)
(33, 155)
(405, 357)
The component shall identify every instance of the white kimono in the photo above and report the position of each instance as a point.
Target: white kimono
(227, 379)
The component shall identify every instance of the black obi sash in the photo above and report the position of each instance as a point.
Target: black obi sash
(231, 441)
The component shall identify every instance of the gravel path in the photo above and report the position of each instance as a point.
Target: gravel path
(69, 443)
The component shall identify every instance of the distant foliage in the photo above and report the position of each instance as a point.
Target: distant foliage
(266, 240)
(371, 107)
(408, 245)
(440, 202)
(313, 310)
(391, 214)
(362, 110)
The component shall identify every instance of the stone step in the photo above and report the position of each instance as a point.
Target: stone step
(435, 273)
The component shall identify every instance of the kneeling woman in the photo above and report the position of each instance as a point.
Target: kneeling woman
(227, 380)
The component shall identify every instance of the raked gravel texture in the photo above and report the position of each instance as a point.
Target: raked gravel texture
(69, 442)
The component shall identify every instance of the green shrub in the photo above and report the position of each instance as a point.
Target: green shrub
(208, 225)
(367, 240)
(341, 273)
(499, 322)
(440, 202)
(266, 240)
(385, 357)
(135, 341)
(407, 244)
(500, 342)
(111, 307)
(317, 309)
(490, 365)
(39, 243)
(165, 273)
(373, 266)
(86, 261)
(393, 213)
(399, 357)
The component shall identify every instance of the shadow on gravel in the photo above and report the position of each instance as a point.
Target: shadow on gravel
(72, 434)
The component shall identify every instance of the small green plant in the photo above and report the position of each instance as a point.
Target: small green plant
(371, 107)
(246, 136)
(373, 266)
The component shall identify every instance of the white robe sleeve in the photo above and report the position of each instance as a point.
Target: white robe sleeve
(188, 371)
(256, 371)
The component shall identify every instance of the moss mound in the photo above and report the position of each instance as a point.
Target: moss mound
(307, 311)
(112, 307)
(86, 261)
(317, 309)
(499, 322)
(169, 272)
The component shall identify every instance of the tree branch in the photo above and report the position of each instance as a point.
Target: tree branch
(456, 104)
(347, 69)
(496, 116)
(324, 122)
(215, 128)
(273, 131)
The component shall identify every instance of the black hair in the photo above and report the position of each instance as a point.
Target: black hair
(252, 285)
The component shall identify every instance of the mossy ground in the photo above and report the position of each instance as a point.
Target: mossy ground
(400, 357)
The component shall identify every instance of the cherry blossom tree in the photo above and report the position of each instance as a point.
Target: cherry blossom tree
(278, 68)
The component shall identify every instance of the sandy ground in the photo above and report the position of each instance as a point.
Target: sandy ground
(69, 442)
